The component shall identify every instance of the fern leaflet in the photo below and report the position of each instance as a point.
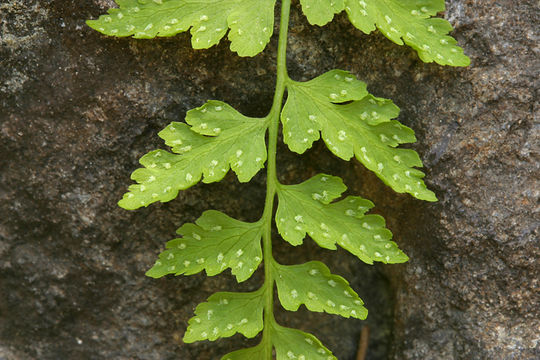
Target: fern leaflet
(402, 21)
(251, 21)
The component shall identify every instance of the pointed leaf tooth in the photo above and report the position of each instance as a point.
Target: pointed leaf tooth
(313, 285)
(376, 110)
(216, 242)
(321, 12)
(343, 222)
(362, 128)
(251, 21)
(296, 344)
(234, 141)
(225, 314)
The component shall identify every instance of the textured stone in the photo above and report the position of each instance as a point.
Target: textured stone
(78, 109)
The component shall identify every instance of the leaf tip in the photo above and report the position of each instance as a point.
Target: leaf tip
(429, 196)
(125, 204)
(363, 314)
(152, 274)
(188, 338)
(96, 25)
(466, 61)
(400, 258)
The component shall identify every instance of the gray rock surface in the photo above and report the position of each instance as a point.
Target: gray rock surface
(78, 109)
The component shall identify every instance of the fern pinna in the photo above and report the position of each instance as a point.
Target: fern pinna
(215, 138)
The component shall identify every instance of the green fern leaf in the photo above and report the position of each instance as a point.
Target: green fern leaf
(307, 208)
(251, 21)
(313, 285)
(220, 137)
(216, 242)
(215, 138)
(296, 344)
(408, 21)
(362, 128)
(257, 352)
(226, 314)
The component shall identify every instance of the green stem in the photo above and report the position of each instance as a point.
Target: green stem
(271, 177)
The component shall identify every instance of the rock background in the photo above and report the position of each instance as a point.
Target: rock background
(77, 110)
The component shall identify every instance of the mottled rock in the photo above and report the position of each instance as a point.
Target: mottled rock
(78, 109)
